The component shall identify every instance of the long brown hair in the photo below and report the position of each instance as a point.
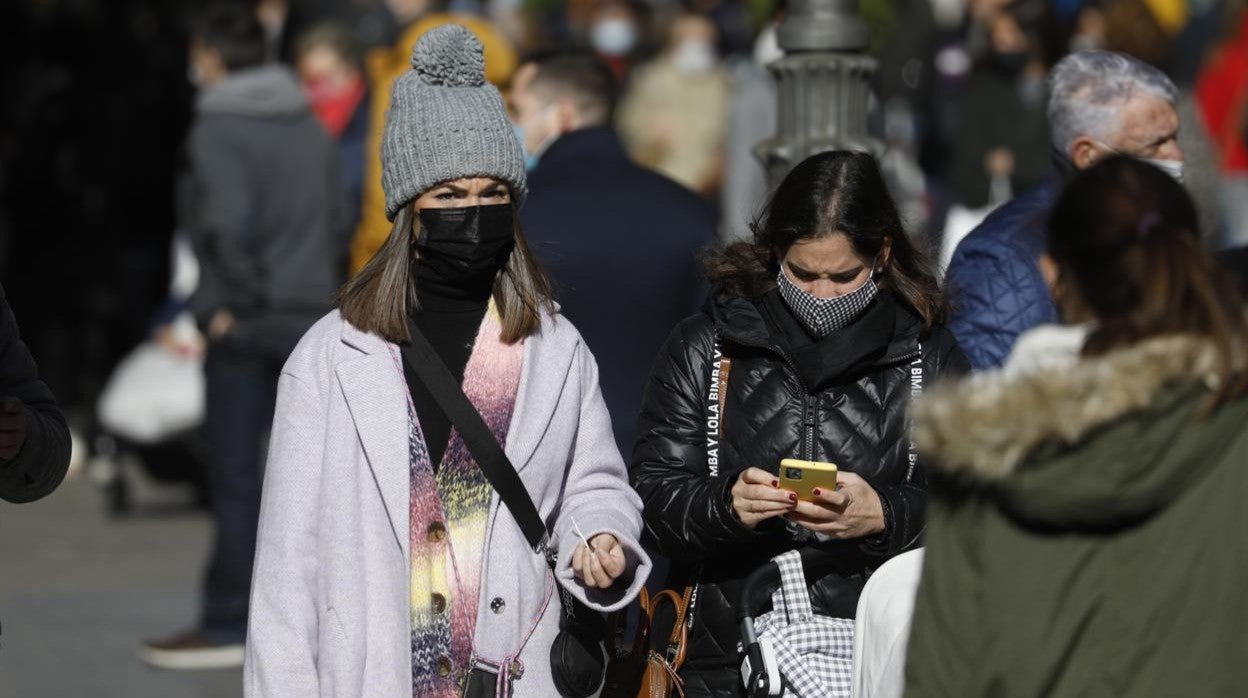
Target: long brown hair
(838, 192)
(378, 298)
(1124, 238)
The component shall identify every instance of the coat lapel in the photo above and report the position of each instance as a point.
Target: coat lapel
(543, 379)
(377, 399)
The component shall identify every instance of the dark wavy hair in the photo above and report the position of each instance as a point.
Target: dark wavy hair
(835, 193)
(1124, 237)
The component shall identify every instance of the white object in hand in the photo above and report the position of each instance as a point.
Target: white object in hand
(576, 527)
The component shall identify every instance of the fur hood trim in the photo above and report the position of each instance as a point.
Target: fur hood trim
(986, 424)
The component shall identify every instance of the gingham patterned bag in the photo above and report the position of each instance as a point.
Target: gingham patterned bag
(815, 653)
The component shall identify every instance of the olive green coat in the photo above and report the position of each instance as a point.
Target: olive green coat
(1086, 534)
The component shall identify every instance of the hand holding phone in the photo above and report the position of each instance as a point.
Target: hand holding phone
(756, 497)
(852, 510)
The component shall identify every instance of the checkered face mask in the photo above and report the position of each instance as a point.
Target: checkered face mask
(823, 316)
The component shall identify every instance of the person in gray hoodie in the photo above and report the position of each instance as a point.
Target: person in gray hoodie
(263, 215)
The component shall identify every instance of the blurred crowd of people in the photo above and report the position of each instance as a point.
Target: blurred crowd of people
(100, 95)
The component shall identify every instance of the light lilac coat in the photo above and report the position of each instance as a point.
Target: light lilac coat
(330, 594)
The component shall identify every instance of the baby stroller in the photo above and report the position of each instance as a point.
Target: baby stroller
(147, 418)
(148, 415)
(791, 651)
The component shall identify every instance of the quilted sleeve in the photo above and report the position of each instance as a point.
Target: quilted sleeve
(686, 508)
(905, 504)
(997, 293)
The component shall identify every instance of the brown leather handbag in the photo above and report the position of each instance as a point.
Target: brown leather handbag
(642, 670)
(662, 675)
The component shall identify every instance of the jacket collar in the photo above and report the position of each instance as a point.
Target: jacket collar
(1063, 169)
(365, 342)
(598, 144)
(985, 426)
(888, 332)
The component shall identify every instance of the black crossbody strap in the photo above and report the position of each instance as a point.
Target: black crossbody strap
(420, 359)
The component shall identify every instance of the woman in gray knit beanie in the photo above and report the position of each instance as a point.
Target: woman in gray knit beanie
(386, 563)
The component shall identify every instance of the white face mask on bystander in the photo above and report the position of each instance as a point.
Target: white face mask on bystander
(614, 37)
(694, 57)
(1174, 168)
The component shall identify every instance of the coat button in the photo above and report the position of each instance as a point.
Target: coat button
(436, 532)
(444, 667)
(497, 605)
(439, 603)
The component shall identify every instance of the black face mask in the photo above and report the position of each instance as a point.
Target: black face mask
(463, 249)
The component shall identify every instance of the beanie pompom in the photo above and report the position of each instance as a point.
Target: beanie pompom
(446, 122)
(450, 56)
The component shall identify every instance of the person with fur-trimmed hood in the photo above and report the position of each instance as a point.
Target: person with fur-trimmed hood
(1085, 534)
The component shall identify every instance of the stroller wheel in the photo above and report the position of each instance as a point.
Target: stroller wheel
(117, 496)
(107, 470)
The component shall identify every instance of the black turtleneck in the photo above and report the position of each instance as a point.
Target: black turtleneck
(449, 318)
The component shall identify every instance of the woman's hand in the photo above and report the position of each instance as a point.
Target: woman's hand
(852, 511)
(598, 569)
(756, 497)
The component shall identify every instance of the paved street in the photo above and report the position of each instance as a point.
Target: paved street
(78, 590)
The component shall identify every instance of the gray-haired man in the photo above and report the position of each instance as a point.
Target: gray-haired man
(1100, 103)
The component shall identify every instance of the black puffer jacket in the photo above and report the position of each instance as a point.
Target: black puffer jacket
(842, 399)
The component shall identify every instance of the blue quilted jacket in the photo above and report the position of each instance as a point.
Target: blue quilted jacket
(994, 281)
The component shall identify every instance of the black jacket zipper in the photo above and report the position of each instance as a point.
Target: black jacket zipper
(812, 424)
(808, 399)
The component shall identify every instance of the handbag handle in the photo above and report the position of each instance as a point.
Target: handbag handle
(662, 673)
(677, 645)
(420, 359)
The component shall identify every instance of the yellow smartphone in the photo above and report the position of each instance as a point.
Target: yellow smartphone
(804, 476)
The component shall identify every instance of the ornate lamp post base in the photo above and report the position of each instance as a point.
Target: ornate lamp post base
(824, 85)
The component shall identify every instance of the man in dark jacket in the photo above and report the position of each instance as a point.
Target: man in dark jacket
(34, 440)
(621, 242)
(262, 220)
(1100, 103)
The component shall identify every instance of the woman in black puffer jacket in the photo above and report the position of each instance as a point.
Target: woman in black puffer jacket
(830, 319)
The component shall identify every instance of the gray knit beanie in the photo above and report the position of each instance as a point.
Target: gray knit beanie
(446, 122)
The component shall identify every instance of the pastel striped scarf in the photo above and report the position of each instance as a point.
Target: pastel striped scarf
(448, 520)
